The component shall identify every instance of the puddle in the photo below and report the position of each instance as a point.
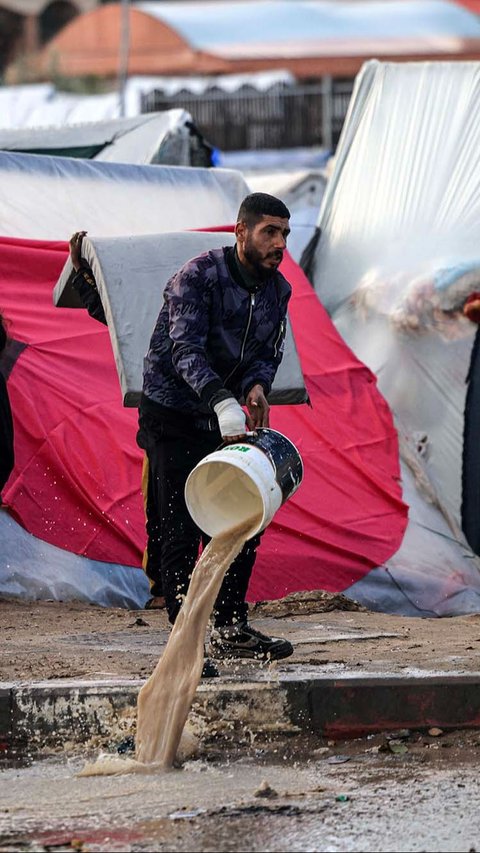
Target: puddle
(280, 794)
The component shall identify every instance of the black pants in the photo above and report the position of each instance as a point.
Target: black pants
(174, 447)
(151, 557)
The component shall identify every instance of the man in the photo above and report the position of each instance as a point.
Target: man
(218, 340)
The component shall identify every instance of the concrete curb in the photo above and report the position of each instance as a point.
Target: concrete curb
(353, 706)
(69, 713)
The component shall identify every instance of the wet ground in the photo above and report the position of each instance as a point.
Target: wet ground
(400, 791)
(246, 789)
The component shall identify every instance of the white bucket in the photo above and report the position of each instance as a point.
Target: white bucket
(252, 477)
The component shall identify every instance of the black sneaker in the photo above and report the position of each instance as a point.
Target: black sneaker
(243, 641)
(209, 669)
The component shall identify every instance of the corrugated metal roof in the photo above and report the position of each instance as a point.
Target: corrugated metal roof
(215, 25)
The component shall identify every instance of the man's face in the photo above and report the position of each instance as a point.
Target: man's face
(261, 246)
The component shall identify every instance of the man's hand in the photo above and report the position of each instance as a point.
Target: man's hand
(75, 244)
(258, 408)
(471, 308)
(231, 420)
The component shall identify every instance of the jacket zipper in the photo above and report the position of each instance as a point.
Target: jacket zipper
(242, 350)
(275, 346)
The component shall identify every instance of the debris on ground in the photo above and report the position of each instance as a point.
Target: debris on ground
(300, 603)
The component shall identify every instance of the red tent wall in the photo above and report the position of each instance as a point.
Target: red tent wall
(76, 482)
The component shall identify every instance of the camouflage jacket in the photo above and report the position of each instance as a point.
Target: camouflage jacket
(212, 333)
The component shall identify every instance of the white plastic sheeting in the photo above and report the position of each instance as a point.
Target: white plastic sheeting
(162, 137)
(17, 103)
(42, 105)
(433, 573)
(399, 253)
(148, 262)
(308, 27)
(33, 569)
(47, 198)
(302, 191)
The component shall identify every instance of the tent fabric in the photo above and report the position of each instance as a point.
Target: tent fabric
(393, 270)
(302, 191)
(33, 569)
(41, 105)
(304, 27)
(76, 484)
(162, 137)
(147, 263)
(48, 198)
(432, 573)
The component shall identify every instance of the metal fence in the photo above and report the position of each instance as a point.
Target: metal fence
(284, 116)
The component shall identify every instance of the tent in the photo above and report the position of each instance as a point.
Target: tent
(47, 198)
(169, 138)
(73, 525)
(397, 257)
(35, 105)
(310, 38)
(302, 190)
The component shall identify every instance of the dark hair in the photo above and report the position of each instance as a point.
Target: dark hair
(256, 205)
(3, 334)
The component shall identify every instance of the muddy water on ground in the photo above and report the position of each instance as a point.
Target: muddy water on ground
(165, 699)
(349, 796)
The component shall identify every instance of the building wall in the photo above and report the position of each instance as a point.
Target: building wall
(26, 25)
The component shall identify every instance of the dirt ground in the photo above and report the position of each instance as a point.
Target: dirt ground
(50, 640)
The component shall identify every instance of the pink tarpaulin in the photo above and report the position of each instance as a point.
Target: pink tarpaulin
(76, 482)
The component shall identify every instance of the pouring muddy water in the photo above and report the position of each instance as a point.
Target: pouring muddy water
(232, 495)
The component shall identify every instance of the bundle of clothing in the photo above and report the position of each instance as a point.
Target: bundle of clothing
(443, 300)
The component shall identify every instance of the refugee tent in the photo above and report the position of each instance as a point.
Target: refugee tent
(169, 138)
(397, 258)
(48, 198)
(73, 526)
(302, 190)
(42, 104)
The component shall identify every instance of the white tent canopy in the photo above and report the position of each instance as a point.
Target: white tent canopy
(302, 190)
(42, 105)
(163, 137)
(294, 27)
(45, 198)
(143, 265)
(399, 253)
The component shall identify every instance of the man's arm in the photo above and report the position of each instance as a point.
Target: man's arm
(188, 301)
(83, 280)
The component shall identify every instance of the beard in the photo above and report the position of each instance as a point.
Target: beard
(256, 260)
